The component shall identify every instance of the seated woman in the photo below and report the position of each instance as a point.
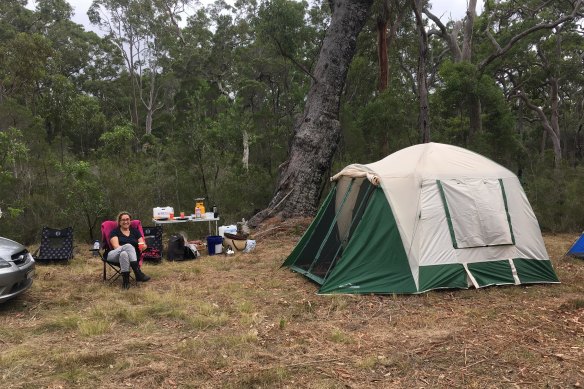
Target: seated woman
(126, 243)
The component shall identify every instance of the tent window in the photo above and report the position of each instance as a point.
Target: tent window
(476, 211)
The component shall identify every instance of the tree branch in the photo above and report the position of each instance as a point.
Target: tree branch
(539, 112)
(437, 21)
(408, 74)
(173, 21)
(527, 32)
(449, 38)
(493, 40)
(299, 65)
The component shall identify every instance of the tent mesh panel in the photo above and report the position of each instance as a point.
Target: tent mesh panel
(325, 246)
(307, 255)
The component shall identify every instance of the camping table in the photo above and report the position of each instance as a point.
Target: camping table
(189, 219)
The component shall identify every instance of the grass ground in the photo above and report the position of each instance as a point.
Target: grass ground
(242, 322)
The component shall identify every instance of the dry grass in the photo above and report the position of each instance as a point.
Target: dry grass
(242, 322)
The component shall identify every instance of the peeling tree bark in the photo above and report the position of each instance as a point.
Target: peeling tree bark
(318, 132)
(389, 18)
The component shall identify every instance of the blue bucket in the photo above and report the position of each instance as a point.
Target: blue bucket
(214, 244)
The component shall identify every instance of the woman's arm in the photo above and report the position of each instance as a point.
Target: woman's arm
(114, 242)
(142, 244)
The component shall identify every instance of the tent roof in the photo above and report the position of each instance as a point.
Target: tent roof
(428, 161)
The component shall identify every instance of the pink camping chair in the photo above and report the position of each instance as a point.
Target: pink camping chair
(106, 228)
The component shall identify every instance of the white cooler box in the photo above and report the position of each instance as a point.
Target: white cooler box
(162, 212)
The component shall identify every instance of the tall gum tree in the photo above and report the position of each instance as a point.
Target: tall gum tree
(506, 24)
(544, 82)
(317, 133)
(421, 77)
(138, 29)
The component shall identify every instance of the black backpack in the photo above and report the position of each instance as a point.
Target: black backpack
(177, 250)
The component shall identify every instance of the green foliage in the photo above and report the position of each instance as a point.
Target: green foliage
(462, 86)
(282, 22)
(23, 59)
(118, 141)
(14, 212)
(460, 82)
(243, 193)
(499, 137)
(555, 195)
(12, 148)
(385, 124)
(83, 194)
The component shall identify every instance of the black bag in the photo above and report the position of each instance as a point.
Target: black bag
(176, 248)
(189, 253)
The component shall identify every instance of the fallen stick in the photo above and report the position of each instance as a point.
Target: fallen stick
(302, 363)
(263, 232)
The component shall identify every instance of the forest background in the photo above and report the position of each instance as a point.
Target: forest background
(166, 105)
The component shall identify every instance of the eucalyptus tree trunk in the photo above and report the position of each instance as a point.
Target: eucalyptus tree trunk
(317, 133)
(245, 158)
(475, 101)
(462, 53)
(550, 125)
(389, 14)
(468, 27)
(424, 114)
(381, 26)
(150, 102)
(475, 121)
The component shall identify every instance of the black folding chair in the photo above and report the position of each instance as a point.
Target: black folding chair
(56, 245)
(153, 239)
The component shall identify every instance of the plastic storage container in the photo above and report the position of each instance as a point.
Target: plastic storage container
(232, 229)
(214, 244)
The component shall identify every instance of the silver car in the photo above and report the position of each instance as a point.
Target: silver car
(16, 269)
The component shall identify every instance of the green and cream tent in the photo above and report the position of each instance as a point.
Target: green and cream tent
(426, 217)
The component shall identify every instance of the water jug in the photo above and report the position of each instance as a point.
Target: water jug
(95, 248)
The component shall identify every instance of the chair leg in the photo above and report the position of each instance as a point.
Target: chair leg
(114, 276)
(116, 273)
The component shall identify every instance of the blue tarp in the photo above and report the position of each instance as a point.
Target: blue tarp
(577, 249)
